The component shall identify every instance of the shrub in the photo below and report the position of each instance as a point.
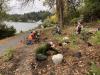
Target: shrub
(53, 19)
(47, 23)
(74, 21)
(6, 31)
(41, 49)
(85, 35)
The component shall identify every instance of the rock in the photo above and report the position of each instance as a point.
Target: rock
(57, 59)
(65, 41)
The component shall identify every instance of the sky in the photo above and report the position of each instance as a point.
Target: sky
(17, 8)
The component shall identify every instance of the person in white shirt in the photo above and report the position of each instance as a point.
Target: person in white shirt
(79, 27)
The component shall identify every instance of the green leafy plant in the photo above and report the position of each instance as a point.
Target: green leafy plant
(41, 49)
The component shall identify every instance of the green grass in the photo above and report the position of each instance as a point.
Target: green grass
(94, 70)
(8, 54)
(59, 38)
(95, 39)
(73, 39)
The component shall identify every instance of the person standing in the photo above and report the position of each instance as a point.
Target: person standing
(79, 27)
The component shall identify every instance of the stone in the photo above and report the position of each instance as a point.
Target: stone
(57, 59)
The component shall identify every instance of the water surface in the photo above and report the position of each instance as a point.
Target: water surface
(22, 26)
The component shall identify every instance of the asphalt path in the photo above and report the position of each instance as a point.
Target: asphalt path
(12, 42)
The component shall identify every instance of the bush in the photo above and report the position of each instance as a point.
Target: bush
(74, 21)
(53, 19)
(6, 31)
(47, 23)
(85, 35)
(41, 49)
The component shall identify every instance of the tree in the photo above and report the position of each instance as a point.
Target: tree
(65, 8)
(71, 6)
(4, 30)
(60, 11)
(3, 8)
(36, 16)
(59, 7)
(91, 10)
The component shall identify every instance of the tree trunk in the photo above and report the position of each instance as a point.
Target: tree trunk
(59, 8)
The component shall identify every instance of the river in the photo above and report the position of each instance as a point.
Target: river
(23, 26)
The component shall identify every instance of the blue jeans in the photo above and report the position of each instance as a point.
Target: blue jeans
(29, 42)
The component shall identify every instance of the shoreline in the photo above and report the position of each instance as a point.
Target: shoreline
(14, 41)
(23, 32)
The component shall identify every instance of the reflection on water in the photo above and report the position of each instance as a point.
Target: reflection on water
(22, 26)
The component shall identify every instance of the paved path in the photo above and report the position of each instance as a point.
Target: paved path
(12, 42)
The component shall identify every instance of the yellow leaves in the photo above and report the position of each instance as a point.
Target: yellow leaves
(54, 19)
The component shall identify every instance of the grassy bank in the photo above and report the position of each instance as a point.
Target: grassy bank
(87, 64)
